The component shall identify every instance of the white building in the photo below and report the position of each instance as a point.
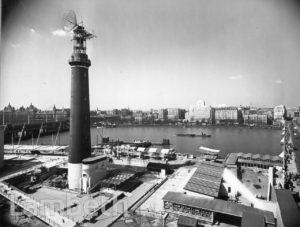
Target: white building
(279, 112)
(226, 115)
(93, 170)
(200, 112)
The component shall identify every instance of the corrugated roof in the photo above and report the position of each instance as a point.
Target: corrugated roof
(250, 219)
(216, 205)
(288, 208)
(206, 179)
(240, 160)
(258, 156)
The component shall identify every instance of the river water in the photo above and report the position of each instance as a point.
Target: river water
(226, 139)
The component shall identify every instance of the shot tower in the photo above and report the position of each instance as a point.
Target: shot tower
(80, 138)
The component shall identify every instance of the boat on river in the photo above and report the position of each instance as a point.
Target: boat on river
(142, 143)
(193, 135)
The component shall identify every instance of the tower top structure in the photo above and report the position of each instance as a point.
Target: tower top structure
(80, 35)
(79, 39)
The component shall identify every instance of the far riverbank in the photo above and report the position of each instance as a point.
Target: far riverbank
(227, 139)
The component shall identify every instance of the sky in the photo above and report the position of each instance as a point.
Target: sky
(154, 54)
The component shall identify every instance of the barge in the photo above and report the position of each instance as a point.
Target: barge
(193, 135)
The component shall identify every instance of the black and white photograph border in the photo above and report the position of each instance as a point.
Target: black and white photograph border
(150, 113)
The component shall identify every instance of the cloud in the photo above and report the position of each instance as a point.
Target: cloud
(278, 81)
(59, 32)
(32, 30)
(15, 45)
(238, 77)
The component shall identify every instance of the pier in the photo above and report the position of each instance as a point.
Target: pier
(17, 132)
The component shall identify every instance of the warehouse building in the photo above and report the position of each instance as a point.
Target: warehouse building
(210, 211)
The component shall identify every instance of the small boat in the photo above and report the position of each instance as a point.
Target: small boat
(142, 143)
(193, 135)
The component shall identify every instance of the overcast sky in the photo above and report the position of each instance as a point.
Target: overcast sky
(153, 54)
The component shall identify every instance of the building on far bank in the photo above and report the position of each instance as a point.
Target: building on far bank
(279, 114)
(226, 115)
(162, 114)
(200, 113)
(154, 114)
(31, 114)
(175, 114)
(115, 112)
(292, 112)
(254, 116)
(139, 116)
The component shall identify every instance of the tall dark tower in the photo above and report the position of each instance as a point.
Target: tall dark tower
(80, 137)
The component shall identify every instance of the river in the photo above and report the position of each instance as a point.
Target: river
(226, 139)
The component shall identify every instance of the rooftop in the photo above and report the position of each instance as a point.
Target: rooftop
(288, 208)
(206, 179)
(252, 219)
(262, 157)
(233, 158)
(186, 221)
(217, 205)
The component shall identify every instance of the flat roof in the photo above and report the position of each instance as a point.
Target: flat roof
(152, 149)
(165, 151)
(217, 205)
(206, 179)
(231, 159)
(141, 149)
(288, 208)
(91, 160)
(187, 221)
(250, 219)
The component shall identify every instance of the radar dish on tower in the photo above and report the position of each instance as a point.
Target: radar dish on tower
(69, 21)
(70, 24)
